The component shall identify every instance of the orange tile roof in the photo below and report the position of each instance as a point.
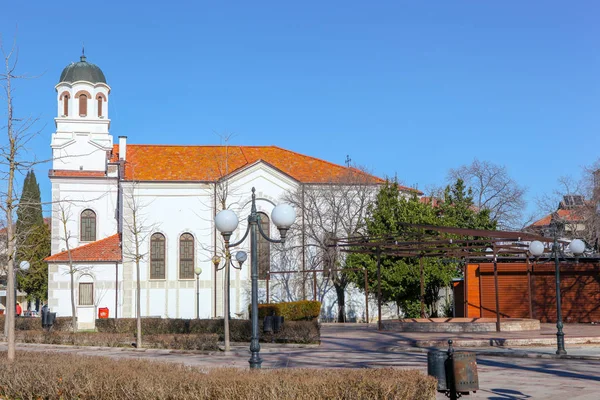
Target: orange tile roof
(67, 173)
(103, 250)
(211, 163)
(566, 215)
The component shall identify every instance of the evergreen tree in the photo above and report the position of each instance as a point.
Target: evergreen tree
(400, 276)
(33, 240)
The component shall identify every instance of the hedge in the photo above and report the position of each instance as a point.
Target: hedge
(65, 376)
(205, 342)
(304, 310)
(35, 323)
(240, 330)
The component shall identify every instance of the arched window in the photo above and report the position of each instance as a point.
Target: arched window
(86, 291)
(83, 105)
(264, 250)
(100, 97)
(65, 99)
(88, 226)
(186, 256)
(157, 256)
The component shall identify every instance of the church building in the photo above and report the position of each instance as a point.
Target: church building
(116, 204)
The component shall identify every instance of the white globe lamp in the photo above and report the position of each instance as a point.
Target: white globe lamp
(577, 247)
(536, 248)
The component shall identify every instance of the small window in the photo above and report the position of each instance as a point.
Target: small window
(86, 294)
(88, 226)
(100, 100)
(264, 248)
(83, 105)
(186, 256)
(66, 105)
(157, 256)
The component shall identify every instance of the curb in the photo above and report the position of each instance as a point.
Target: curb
(510, 353)
(504, 342)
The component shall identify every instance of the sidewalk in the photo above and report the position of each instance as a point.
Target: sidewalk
(582, 341)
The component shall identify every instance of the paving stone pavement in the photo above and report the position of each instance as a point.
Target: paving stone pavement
(361, 346)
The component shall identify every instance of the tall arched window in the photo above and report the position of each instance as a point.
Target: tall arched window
(264, 250)
(87, 232)
(83, 105)
(157, 256)
(186, 256)
(100, 98)
(65, 99)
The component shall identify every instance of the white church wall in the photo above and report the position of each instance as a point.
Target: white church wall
(76, 195)
(104, 276)
(79, 151)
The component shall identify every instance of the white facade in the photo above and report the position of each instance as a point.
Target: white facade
(88, 176)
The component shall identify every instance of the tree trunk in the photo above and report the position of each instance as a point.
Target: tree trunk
(73, 308)
(138, 311)
(341, 302)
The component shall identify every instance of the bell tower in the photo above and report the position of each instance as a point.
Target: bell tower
(82, 135)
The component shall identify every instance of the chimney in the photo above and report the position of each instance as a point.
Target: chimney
(122, 148)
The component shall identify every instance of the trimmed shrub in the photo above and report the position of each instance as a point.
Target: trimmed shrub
(240, 330)
(176, 341)
(35, 324)
(66, 376)
(302, 332)
(204, 341)
(304, 310)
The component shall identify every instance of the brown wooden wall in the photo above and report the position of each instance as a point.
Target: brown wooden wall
(518, 292)
(473, 297)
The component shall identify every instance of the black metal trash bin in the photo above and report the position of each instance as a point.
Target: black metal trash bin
(436, 367)
(277, 323)
(268, 324)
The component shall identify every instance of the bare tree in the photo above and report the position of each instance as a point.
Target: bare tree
(575, 205)
(493, 190)
(330, 211)
(64, 216)
(18, 133)
(138, 230)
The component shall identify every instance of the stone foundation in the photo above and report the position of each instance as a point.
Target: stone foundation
(460, 325)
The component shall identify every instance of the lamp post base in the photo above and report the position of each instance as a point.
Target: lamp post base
(560, 339)
(255, 361)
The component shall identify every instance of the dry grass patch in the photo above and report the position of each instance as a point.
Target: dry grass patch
(65, 376)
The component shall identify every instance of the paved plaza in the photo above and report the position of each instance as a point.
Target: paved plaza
(504, 373)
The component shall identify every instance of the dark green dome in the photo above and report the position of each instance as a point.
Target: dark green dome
(82, 71)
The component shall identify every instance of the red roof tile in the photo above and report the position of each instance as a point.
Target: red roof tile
(83, 174)
(104, 250)
(211, 163)
(572, 215)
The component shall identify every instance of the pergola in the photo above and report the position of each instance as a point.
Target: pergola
(430, 241)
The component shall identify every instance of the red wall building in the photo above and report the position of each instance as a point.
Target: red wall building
(527, 290)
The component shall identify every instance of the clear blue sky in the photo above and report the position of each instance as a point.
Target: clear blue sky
(405, 89)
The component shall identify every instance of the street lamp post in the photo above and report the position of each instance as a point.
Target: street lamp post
(577, 247)
(226, 221)
(198, 271)
(240, 257)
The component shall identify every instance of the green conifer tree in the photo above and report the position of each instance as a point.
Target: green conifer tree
(400, 276)
(33, 240)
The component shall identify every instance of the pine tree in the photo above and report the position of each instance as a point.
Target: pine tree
(33, 240)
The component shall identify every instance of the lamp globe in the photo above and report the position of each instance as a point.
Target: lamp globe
(536, 248)
(283, 215)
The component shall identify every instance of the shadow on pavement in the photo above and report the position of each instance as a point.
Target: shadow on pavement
(550, 371)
